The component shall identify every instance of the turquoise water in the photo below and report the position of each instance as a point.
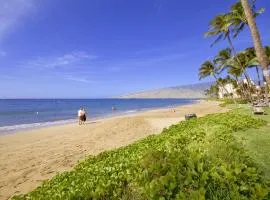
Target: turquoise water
(26, 113)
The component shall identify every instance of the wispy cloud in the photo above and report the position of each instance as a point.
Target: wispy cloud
(151, 50)
(158, 6)
(3, 53)
(6, 77)
(59, 61)
(12, 12)
(79, 79)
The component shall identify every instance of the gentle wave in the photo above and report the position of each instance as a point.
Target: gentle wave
(131, 111)
(13, 128)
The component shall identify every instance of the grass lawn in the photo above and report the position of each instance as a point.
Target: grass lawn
(257, 141)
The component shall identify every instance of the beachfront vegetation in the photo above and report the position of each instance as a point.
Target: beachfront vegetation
(256, 142)
(230, 67)
(196, 159)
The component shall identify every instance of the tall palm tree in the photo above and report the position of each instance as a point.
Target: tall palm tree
(253, 62)
(260, 52)
(220, 26)
(238, 17)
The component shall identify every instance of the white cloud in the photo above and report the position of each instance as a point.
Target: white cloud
(11, 12)
(64, 60)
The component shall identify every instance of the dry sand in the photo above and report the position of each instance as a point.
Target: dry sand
(27, 158)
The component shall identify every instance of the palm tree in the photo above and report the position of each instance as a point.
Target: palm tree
(238, 17)
(236, 73)
(209, 68)
(237, 66)
(212, 91)
(253, 62)
(242, 61)
(260, 52)
(222, 57)
(227, 81)
(220, 26)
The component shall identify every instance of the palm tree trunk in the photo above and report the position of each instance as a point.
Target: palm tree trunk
(222, 85)
(242, 90)
(249, 84)
(231, 44)
(258, 75)
(260, 53)
(234, 53)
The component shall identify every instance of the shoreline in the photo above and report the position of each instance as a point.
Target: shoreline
(16, 128)
(27, 158)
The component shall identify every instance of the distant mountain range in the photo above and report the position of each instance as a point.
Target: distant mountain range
(184, 91)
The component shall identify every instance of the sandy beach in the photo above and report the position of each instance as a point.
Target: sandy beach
(30, 157)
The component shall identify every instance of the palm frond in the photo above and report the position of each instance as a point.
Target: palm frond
(238, 29)
(206, 69)
(217, 40)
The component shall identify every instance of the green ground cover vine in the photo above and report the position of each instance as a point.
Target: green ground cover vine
(196, 159)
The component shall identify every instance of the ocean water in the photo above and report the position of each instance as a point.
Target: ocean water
(17, 114)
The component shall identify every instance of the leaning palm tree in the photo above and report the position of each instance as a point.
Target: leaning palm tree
(220, 26)
(239, 64)
(253, 62)
(260, 52)
(208, 68)
(226, 61)
(238, 17)
(237, 73)
(242, 61)
(222, 58)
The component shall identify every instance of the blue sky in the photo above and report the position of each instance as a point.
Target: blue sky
(104, 48)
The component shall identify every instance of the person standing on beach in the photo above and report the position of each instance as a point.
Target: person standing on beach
(80, 115)
(83, 116)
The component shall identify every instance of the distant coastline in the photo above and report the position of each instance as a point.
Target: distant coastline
(191, 91)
